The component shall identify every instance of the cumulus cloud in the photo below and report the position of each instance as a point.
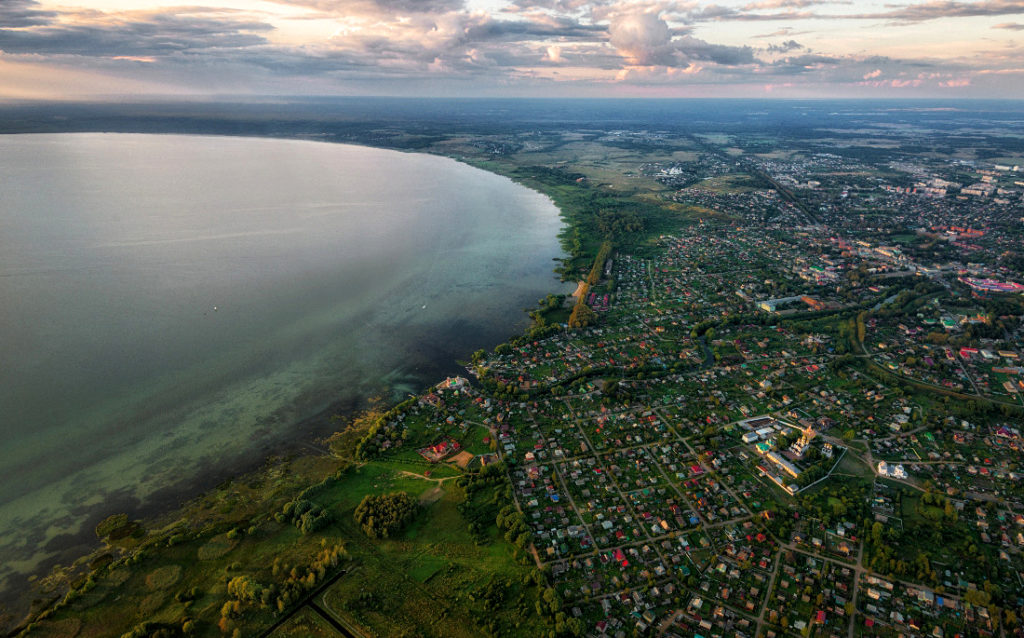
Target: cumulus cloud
(644, 39)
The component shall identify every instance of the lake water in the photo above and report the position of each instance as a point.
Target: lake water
(175, 306)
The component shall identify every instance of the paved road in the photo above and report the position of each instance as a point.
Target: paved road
(331, 620)
(304, 601)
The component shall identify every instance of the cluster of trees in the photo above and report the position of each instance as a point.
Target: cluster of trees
(368, 430)
(510, 391)
(936, 507)
(539, 328)
(550, 302)
(299, 579)
(550, 605)
(889, 548)
(814, 473)
(834, 502)
(885, 560)
(293, 582)
(779, 522)
(615, 391)
(597, 270)
(306, 515)
(244, 593)
(382, 515)
(513, 525)
(608, 212)
(346, 443)
(492, 593)
(486, 492)
(520, 599)
(244, 589)
(615, 223)
(582, 315)
(995, 329)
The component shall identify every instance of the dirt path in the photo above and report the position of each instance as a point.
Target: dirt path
(431, 496)
(426, 478)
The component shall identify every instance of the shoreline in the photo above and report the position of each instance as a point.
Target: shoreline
(299, 441)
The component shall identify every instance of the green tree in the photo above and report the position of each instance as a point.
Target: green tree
(582, 316)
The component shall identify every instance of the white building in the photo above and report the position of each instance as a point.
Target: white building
(891, 471)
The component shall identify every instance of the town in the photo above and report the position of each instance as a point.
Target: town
(800, 415)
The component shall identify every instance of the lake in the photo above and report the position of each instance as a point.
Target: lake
(175, 308)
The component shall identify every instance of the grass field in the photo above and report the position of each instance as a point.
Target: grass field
(853, 466)
(420, 582)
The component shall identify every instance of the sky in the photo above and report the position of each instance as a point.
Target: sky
(122, 49)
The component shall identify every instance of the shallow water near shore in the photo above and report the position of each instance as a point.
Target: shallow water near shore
(174, 307)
